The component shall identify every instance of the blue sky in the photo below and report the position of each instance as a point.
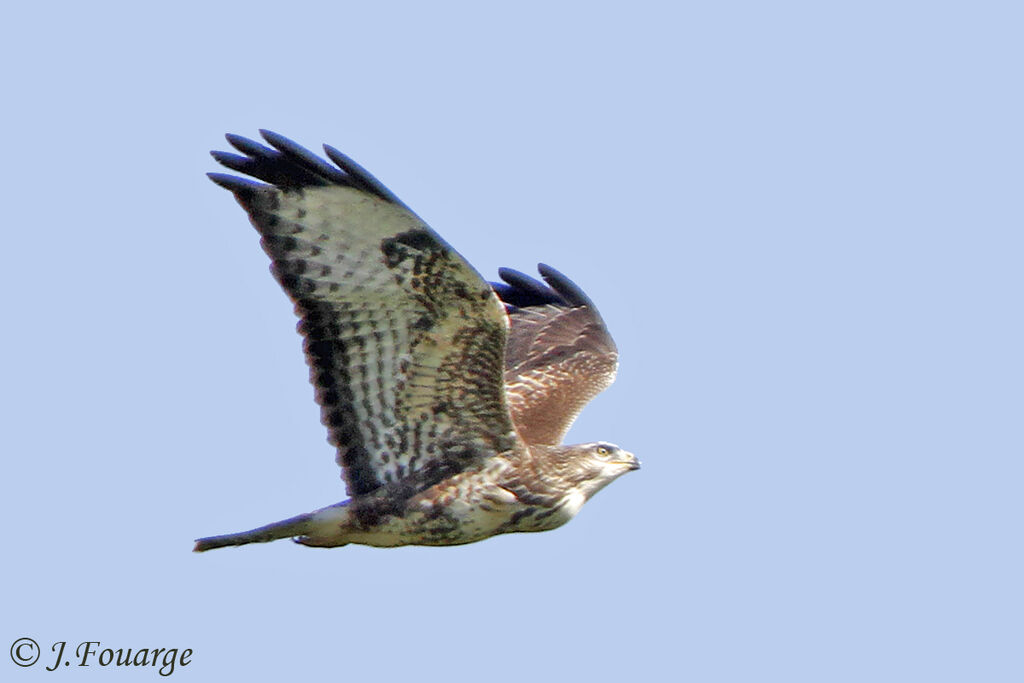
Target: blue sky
(801, 222)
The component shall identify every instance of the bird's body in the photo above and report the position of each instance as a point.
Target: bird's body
(470, 506)
(446, 397)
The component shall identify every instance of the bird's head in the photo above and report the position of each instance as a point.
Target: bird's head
(599, 464)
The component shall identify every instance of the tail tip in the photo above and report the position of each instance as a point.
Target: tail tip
(204, 544)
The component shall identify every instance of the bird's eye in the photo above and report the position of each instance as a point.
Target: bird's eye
(603, 452)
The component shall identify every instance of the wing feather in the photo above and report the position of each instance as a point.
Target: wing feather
(559, 353)
(404, 340)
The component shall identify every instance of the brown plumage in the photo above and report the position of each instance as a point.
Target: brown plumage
(447, 398)
(559, 355)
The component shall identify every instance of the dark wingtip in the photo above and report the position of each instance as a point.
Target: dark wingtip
(241, 187)
(287, 164)
(511, 275)
(525, 282)
(247, 146)
(522, 290)
(301, 156)
(280, 142)
(568, 289)
(236, 162)
(363, 178)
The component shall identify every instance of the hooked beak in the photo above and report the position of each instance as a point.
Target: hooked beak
(633, 462)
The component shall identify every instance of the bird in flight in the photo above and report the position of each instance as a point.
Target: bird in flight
(446, 397)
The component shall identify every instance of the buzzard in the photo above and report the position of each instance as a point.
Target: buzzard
(446, 397)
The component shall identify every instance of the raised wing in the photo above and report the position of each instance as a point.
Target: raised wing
(559, 353)
(404, 340)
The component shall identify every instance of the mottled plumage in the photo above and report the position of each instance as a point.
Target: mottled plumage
(447, 398)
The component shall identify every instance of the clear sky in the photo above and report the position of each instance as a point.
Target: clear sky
(801, 221)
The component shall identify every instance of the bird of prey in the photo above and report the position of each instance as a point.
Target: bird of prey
(446, 397)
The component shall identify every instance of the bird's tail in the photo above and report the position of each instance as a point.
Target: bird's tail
(286, 528)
